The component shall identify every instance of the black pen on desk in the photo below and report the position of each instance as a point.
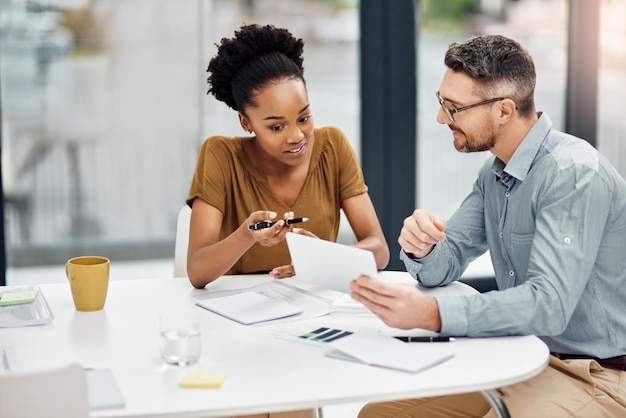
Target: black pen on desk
(266, 224)
(422, 339)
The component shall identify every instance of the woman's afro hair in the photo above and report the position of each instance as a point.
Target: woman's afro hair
(250, 42)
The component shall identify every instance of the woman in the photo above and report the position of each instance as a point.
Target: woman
(285, 166)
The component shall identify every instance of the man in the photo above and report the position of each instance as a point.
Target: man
(551, 210)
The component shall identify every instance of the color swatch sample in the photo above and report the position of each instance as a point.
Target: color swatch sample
(325, 334)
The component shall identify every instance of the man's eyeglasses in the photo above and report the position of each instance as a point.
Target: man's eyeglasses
(450, 112)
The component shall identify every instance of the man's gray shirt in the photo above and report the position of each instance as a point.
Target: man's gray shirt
(554, 222)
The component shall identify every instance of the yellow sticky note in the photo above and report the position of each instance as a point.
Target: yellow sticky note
(202, 380)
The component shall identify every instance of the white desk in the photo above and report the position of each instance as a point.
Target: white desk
(264, 372)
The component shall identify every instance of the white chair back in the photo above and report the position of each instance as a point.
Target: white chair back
(182, 242)
(54, 393)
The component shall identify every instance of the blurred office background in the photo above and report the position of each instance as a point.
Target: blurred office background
(104, 107)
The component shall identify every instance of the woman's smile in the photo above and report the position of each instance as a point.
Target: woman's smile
(299, 151)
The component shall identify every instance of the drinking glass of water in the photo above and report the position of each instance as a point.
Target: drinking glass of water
(180, 338)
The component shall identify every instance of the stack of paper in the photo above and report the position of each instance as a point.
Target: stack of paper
(23, 307)
(250, 307)
(266, 303)
(345, 304)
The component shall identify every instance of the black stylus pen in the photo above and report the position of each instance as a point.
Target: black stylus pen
(408, 339)
(266, 224)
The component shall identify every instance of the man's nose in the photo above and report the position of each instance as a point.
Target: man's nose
(442, 117)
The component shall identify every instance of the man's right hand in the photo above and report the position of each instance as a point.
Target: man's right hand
(420, 232)
(398, 305)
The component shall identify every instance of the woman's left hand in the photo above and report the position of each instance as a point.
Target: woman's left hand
(301, 231)
(283, 272)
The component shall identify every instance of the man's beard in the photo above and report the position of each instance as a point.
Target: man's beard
(484, 141)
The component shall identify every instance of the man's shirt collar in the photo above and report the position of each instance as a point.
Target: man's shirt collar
(521, 161)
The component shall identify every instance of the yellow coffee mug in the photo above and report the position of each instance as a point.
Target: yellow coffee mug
(89, 281)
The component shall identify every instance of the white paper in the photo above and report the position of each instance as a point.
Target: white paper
(345, 304)
(328, 264)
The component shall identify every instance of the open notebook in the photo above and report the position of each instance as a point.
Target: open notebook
(328, 264)
(388, 352)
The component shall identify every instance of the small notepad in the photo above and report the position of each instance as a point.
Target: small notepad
(18, 297)
(209, 380)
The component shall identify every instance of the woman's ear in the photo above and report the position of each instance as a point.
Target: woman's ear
(243, 121)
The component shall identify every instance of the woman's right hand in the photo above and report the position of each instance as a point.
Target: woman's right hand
(210, 257)
(268, 236)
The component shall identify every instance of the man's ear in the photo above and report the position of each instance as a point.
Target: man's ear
(508, 110)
